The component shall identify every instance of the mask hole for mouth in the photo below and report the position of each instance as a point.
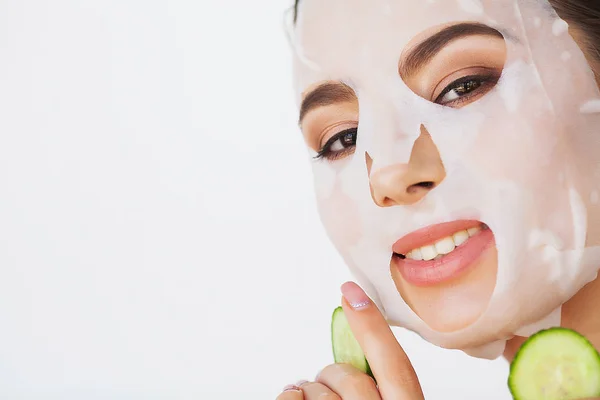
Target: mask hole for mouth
(454, 304)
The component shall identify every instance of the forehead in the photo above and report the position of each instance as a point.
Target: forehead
(344, 39)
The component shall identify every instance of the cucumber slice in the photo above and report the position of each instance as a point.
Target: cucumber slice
(555, 364)
(346, 349)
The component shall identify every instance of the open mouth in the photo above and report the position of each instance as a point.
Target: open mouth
(441, 252)
(443, 246)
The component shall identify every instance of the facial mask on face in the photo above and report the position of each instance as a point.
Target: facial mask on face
(523, 159)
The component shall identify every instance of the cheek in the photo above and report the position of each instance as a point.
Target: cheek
(528, 151)
(532, 153)
(340, 217)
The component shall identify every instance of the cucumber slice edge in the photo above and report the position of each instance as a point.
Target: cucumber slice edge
(346, 349)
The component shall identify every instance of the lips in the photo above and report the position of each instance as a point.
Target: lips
(441, 252)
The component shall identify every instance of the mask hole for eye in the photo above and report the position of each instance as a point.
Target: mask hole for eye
(454, 65)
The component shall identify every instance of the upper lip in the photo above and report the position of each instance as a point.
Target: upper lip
(431, 234)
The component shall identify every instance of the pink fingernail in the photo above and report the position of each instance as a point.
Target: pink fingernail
(290, 388)
(355, 296)
(300, 383)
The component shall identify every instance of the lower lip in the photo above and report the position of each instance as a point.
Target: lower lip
(450, 266)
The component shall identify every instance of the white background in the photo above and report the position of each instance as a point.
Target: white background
(158, 236)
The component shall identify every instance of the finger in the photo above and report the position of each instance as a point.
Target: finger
(390, 365)
(348, 382)
(512, 346)
(291, 392)
(318, 391)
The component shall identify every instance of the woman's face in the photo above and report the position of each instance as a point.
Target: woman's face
(444, 152)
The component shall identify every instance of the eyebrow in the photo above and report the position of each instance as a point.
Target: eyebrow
(429, 48)
(326, 94)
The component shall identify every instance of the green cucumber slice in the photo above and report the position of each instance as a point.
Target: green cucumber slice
(555, 364)
(346, 349)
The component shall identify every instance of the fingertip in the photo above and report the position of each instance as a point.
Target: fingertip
(349, 285)
(291, 388)
(318, 374)
(354, 296)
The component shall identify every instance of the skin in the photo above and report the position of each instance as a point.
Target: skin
(392, 368)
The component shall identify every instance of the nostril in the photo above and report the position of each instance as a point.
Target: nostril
(420, 186)
(425, 185)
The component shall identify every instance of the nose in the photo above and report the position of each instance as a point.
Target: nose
(405, 184)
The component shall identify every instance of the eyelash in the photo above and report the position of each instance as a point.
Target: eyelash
(485, 82)
(331, 155)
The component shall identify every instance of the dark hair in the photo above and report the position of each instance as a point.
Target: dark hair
(583, 15)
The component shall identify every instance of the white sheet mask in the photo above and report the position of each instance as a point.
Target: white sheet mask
(524, 158)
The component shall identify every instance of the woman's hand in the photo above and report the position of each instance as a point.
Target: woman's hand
(396, 378)
(395, 375)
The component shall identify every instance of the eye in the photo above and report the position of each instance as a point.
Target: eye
(339, 145)
(465, 90)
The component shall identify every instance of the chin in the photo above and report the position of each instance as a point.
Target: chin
(455, 303)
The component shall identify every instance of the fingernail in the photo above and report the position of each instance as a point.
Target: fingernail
(300, 383)
(290, 388)
(355, 296)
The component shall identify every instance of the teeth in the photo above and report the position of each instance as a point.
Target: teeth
(428, 252)
(460, 237)
(415, 255)
(443, 246)
(474, 231)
